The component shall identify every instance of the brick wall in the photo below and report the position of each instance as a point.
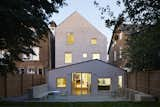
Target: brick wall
(17, 85)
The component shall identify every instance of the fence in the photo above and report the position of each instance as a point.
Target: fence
(147, 82)
(18, 84)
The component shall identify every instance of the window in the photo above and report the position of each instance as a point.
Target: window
(120, 36)
(70, 38)
(93, 41)
(104, 83)
(68, 57)
(31, 71)
(95, 56)
(61, 82)
(40, 71)
(2, 54)
(115, 56)
(120, 81)
(32, 57)
(120, 52)
(21, 70)
(84, 55)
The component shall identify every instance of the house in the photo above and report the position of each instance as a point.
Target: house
(118, 45)
(44, 59)
(76, 40)
(81, 60)
(93, 77)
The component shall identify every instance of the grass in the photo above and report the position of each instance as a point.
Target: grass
(80, 104)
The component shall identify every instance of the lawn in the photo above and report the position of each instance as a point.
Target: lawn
(80, 104)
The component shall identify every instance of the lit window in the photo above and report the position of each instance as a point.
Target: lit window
(32, 57)
(120, 52)
(104, 83)
(95, 56)
(68, 57)
(93, 41)
(115, 56)
(61, 82)
(119, 81)
(84, 55)
(70, 38)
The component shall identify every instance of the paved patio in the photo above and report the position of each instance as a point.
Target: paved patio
(97, 98)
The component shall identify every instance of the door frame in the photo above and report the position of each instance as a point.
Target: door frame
(88, 93)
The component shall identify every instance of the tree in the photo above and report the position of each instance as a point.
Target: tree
(143, 50)
(135, 11)
(23, 23)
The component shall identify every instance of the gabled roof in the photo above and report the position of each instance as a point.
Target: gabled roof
(77, 14)
(95, 60)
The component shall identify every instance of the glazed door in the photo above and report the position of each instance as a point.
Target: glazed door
(81, 83)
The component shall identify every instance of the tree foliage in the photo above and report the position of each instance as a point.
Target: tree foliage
(23, 23)
(143, 50)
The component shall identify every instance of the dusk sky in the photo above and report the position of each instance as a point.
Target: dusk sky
(88, 10)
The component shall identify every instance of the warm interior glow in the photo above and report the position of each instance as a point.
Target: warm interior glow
(95, 56)
(84, 55)
(61, 82)
(120, 81)
(70, 38)
(104, 81)
(68, 57)
(93, 41)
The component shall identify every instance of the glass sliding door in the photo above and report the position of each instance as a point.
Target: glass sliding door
(81, 83)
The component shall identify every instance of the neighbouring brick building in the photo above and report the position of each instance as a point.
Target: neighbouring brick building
(118, 45)
(44, 59)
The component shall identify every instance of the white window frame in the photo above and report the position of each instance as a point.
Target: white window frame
(32, 57)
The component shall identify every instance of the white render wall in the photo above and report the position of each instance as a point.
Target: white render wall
(98, 69)
(83, 32)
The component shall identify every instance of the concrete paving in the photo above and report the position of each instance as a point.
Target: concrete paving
(98, 98)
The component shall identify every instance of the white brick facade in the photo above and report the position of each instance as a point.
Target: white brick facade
(83, 32)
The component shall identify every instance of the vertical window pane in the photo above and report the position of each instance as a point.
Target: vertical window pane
(120, 35)
(120, 52)
(2, 53)
(120, 82)
(95, 56)
(93, 41)
(115, 56)
(68, 57)
(70, 38)
(61, 82)
(32, 57)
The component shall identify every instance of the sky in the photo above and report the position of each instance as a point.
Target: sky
(89, 11)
